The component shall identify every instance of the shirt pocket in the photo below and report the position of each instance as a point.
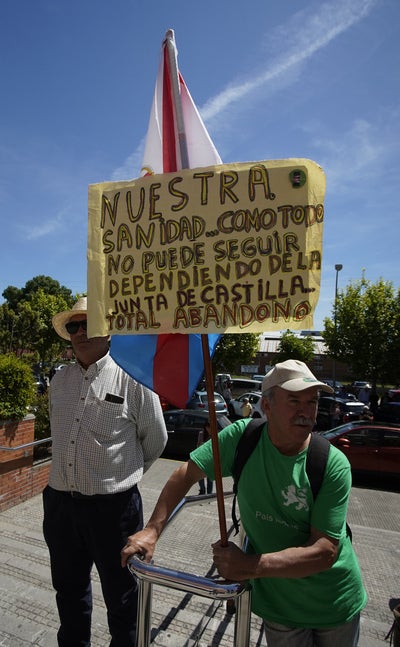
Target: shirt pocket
(105, 421)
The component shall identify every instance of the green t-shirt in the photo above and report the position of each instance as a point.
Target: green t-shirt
(277, 509)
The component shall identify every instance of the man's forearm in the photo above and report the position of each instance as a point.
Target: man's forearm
(294, 562)
(297, 561)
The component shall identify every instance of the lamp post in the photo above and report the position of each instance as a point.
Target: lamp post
(338, 267)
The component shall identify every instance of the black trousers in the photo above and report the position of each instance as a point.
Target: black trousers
(80, 532)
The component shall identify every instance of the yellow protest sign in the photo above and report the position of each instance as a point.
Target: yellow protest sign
(221, 249)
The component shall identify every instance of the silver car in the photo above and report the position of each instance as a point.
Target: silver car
(199, 400)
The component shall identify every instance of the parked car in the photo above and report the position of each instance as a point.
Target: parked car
(199, 400)
(394, 395)
(361, 384)
(183, 427)
(241, 385)
(221, 378)
(389, 409)
(40, 384)
(234, 407)
(388, 412)
(335, 384)
(349, 409)
(372, 447)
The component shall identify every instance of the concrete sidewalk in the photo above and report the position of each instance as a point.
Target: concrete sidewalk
(27, 602)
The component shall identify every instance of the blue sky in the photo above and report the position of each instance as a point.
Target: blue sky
(272, 80)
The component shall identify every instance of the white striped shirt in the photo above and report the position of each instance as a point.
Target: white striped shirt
(107, 429)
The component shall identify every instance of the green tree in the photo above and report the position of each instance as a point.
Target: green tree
(14, 295)
(42, 418)
(364, 330)
(8, 322)
(233, 350)
(44, 339)
(25, 317)
(17, 387)
(294, 347)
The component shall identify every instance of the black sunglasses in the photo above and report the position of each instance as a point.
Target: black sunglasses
(72, 327)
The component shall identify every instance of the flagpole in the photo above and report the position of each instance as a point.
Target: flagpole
(176, 96)
(214, 440)
(180, 127)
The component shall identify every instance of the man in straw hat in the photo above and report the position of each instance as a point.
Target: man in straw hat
(107, 430)
(305, 575)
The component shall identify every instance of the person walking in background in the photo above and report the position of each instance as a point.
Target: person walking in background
(246, 408)
(306, 580)
(203, 436)
(364, 394)
(334, 415)
(107, 430)
(227, 393)
(374, 400)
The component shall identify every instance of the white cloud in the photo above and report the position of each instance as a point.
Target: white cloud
(328, 20)
(363, 151)
(319, 28)
(41, 230)
(131, 167)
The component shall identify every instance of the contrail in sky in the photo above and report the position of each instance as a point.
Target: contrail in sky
(329, 21)
(319, 27)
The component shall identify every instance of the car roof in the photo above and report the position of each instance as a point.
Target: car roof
(193, 412)
(244, 395)
(198, 413)
(338, 399)
(355, 424)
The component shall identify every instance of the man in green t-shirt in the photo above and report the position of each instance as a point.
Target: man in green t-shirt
(306, 579)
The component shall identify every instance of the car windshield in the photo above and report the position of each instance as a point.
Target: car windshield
(332, 433)
(217, 398)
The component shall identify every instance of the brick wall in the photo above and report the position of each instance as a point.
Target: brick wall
(20, 479)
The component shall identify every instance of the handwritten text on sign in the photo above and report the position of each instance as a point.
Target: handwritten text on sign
(229, 248)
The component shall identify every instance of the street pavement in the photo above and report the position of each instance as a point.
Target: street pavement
(27, 604)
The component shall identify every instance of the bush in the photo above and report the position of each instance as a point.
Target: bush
(42, 418)
(42, 426)
(17, 388)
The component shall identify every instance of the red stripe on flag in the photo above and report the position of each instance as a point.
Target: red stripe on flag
(169, 152)
(170, 369)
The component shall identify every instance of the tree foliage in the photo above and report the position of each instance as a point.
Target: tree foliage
(25, 318)
(17, 387)
(364, 331)
(293, 347)
(42, 418)
(233, 350)
(15, 295)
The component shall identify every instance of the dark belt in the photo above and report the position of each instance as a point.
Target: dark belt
(98, 497)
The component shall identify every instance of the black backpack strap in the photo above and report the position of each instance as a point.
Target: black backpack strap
(317, 458)
(245, 447)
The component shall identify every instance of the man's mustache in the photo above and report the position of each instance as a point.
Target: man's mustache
(301, 420)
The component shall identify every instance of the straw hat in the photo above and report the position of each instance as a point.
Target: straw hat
(59, 320)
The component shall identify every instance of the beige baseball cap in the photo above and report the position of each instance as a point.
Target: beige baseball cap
(292, 375)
